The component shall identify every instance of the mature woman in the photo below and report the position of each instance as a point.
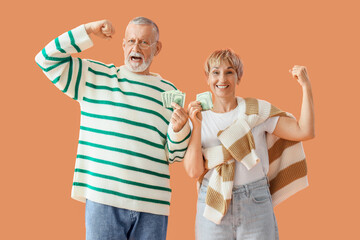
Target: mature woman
(246, 154)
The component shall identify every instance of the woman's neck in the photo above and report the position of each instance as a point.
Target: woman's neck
(224, 105)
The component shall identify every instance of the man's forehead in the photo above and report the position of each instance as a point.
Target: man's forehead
(139, 31)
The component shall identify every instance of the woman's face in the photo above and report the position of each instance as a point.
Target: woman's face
(222, 80)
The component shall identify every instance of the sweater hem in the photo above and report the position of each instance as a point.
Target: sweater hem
(81, 194)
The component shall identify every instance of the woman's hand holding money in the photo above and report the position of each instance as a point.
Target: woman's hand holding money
(194, 111)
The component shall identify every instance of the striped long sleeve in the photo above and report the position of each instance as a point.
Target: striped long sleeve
(124, 145)
(177, 143)
(60, 67)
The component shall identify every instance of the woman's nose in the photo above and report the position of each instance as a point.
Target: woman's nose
(222, 78)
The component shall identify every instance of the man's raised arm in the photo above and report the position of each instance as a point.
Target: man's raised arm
(60, 67)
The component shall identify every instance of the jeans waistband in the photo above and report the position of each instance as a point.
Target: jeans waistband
(246, 187)
(250, 186)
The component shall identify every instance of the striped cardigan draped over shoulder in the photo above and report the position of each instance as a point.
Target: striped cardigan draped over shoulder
(287, 166)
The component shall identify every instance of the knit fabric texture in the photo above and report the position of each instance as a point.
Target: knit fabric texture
(287, 170)
(125, 141)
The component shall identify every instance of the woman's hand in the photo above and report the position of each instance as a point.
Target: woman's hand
(194, 111)
(300, 73)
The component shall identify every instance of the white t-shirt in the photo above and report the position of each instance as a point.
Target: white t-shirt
(213, 122)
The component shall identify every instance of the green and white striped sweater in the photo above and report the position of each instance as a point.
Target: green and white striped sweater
(125, 140)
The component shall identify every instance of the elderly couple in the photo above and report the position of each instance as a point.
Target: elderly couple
(246, 154)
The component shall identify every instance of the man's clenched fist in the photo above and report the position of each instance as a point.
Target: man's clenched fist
(102, 28)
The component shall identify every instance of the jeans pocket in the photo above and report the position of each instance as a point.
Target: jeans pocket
(260, 195)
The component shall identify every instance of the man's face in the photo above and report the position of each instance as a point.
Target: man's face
(140, 47)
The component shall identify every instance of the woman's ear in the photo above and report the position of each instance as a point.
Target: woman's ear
(238, 81)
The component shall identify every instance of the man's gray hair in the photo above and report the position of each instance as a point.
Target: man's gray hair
(144, 20)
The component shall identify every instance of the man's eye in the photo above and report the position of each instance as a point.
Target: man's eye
(131, 41)
(144, 42)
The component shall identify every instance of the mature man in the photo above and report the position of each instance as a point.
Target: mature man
(127, 138)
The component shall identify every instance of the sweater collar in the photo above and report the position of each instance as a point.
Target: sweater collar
(125, 72)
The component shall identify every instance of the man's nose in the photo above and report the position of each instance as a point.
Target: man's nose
(135, 47)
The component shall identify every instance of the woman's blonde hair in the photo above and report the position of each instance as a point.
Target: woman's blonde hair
(226, 55)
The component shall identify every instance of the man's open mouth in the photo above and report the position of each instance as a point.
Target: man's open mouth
(136, 59)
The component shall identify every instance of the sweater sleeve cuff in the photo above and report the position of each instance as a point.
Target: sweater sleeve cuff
(82, 39)
(180, 135)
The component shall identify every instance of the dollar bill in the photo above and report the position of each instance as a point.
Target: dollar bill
(169, 97)
(178, 98)
(205, 100)
(163, 98)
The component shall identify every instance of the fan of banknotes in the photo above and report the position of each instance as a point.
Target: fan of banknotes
(175, 96)
(205, 99)
(178, 97)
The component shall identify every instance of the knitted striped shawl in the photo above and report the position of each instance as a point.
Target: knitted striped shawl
(287, 166)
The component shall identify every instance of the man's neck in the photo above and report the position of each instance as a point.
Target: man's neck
(146, 72)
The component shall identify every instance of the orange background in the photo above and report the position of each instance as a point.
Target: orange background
(40, 125)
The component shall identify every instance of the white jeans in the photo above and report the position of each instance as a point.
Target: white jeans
(250, 215)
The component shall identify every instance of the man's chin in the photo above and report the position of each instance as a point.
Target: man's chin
(137, 68)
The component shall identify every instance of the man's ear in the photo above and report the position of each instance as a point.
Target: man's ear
(158, 48)
(123, 44)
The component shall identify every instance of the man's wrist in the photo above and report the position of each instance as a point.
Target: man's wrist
(176, 129)
(88, 28)
(181, 134)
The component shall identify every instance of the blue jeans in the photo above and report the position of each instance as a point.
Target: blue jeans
(250, 215)
(105, 222)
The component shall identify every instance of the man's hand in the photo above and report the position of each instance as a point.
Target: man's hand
(178, 118)
(102, 29)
